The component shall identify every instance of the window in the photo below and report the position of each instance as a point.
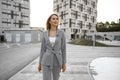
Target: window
(89, 10)
(75, 31)
(80, 24)
(65, 4)
(64, 14)
(93, 19)
(23, 15)
(85, 17)
(93, 4)
(69, 22)
(74, 14)
(85, 1)
(57, 8)
(20, 7)
(72, 4)
(89, 25)
(80, 7)
(13, 14)
(6, 22)
(5, 3)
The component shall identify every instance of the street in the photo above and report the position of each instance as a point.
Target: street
(78, 63)
(14, 58)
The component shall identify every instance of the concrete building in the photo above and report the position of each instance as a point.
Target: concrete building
(78, 17)
(14, 14)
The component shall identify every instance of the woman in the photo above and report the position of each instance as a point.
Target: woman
(53, 50)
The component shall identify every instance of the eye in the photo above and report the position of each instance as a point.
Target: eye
(56, 18)
(53, 18)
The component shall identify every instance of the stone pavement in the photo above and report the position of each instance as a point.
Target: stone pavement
(78, 63)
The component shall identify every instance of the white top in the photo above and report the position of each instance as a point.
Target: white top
(52, 40)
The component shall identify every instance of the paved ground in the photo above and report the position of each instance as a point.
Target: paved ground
(15, 58)
(78, 63)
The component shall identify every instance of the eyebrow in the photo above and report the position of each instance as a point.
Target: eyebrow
(55, 18)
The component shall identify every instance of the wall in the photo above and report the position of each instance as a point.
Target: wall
(23, 36)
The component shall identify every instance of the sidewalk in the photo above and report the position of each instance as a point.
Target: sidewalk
(78, 63)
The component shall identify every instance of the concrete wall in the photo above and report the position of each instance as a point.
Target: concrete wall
(23, 36)
(110, 35)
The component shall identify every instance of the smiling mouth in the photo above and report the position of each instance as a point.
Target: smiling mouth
(55, 23)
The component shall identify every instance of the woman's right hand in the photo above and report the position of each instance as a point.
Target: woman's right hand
(39, 67)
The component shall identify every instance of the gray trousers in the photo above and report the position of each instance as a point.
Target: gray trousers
(51, 74)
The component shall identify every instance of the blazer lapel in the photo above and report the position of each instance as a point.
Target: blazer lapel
(57, 35)
(47, 37)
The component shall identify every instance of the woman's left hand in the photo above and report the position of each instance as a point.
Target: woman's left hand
(63, 67)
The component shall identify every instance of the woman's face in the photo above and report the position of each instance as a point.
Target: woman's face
(54, 21)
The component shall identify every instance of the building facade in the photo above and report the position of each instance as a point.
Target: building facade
(14, 14)
(23, 35)
(78, 18)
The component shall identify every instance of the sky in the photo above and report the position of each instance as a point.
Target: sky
(40, 11)
(108, 10)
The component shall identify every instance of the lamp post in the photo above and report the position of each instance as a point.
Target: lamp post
(94, 39)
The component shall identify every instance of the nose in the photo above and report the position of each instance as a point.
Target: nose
(56, 20)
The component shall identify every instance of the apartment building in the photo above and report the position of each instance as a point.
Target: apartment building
(14, 14)
(77, 17)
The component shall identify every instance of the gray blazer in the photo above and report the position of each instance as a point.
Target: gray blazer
(59, 49)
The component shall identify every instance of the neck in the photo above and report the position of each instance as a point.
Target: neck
(53, 28)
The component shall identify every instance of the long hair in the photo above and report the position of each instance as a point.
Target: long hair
(48, 25)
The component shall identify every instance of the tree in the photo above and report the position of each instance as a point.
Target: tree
(108, 27)
(107, 24)
(119, 22)
(112, 23)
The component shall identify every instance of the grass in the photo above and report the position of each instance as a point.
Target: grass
(87, 42)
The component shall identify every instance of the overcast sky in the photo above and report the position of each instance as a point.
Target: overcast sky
(108, 10)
